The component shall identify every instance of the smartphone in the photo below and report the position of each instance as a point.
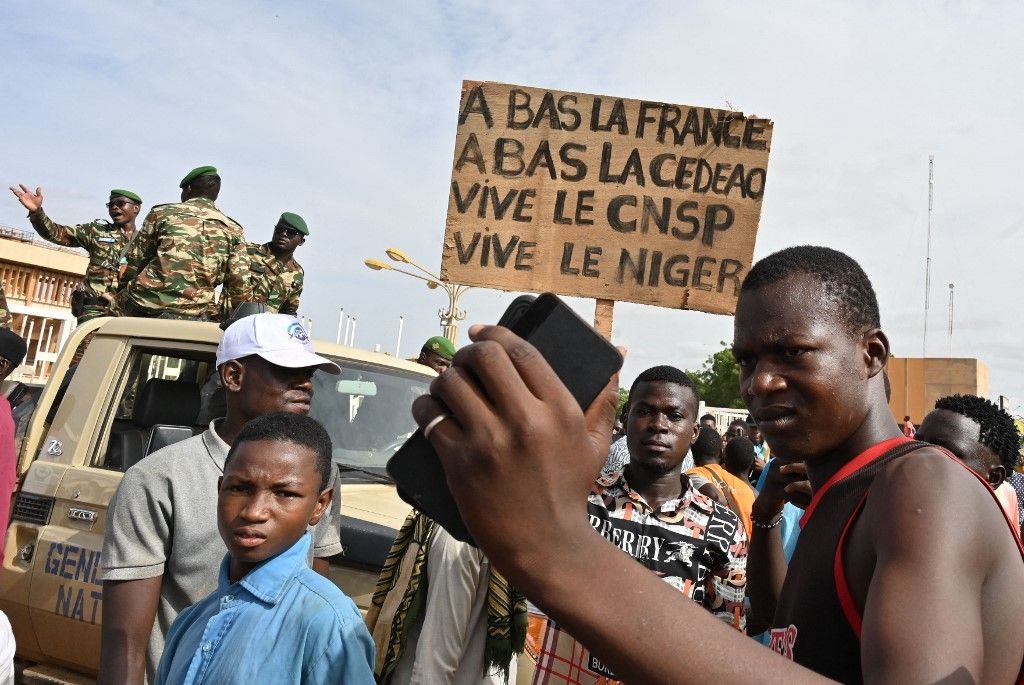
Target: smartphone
(583, 361)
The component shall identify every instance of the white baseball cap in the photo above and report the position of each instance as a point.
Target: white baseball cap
(278, 338)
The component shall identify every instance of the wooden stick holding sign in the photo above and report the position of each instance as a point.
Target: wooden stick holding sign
(603, 311)
(603, 197)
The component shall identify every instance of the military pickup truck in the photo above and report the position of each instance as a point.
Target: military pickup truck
(141, 385)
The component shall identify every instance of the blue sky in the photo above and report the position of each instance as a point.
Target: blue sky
(346, 112)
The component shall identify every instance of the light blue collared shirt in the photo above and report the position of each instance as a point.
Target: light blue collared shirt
(281, 623)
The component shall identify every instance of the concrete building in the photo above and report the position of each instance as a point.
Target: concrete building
(917, 383)
(38, 279)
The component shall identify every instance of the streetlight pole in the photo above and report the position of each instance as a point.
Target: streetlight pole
(450, 315)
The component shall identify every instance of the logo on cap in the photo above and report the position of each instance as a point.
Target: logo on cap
(295, 330)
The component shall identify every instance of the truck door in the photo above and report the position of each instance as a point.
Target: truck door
(66, 591)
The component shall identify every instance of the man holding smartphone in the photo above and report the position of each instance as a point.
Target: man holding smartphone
(811, 353)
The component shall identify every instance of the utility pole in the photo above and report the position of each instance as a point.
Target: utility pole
(928, 255)
(451, 316)
(949, 339)
(398, 342)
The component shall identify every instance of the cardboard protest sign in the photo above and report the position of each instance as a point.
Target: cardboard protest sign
(604, 197)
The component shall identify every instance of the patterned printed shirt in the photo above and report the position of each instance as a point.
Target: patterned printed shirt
(182, 253)
(692, 543)
(1017, 482)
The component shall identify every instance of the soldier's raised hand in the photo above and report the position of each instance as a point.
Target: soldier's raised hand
(29, 200)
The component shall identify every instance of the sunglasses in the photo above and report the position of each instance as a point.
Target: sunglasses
(289, 232)
(119, 203)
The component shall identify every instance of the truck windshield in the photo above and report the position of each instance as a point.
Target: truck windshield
(366, 410)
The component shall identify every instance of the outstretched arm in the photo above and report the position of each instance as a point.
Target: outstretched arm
(45, 226)
(516, 430)
(33, 202)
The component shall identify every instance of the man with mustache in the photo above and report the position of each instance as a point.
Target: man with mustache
(161, 548)
(106, 243)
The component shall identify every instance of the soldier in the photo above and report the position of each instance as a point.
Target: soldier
(183, 252)
(437, 353)
(276, 277)
(105, 242)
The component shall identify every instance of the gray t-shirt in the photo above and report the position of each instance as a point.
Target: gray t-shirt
(163, 521)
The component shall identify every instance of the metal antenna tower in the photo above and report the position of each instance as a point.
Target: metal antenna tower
(949, 340)
(928, 255)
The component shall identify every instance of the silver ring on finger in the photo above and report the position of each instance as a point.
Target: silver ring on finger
(433, 423)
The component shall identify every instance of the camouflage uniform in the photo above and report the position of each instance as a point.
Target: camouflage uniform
(5, 311)
(105, 244)
(277, 284)
(183, 252)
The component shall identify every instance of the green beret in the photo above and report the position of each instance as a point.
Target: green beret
(292, 220)
(196, 173)
(121, 192)
(441, 345)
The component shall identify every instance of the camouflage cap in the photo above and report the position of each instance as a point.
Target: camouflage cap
(440, 345)
(121, 192)
(292, 220)
(196, 173)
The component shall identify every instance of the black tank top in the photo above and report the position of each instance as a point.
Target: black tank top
(817, 624)
(812, 626)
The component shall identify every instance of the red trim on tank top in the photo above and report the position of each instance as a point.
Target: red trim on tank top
(850, 467)
(850, 611)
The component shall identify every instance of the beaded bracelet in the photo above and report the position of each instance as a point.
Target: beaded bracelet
(767, 526)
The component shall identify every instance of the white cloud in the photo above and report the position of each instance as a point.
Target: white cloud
(346, 114)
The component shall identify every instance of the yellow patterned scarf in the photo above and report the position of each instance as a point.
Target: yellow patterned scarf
(401, 593)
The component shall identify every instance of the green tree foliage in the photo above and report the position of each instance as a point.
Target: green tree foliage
(623, 399)
(718, 379)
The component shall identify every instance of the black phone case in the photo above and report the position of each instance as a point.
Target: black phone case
(582, 359)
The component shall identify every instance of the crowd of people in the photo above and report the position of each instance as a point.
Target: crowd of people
(902, 566)
(668, 552)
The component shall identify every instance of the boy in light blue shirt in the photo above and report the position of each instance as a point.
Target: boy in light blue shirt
(272, 618)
